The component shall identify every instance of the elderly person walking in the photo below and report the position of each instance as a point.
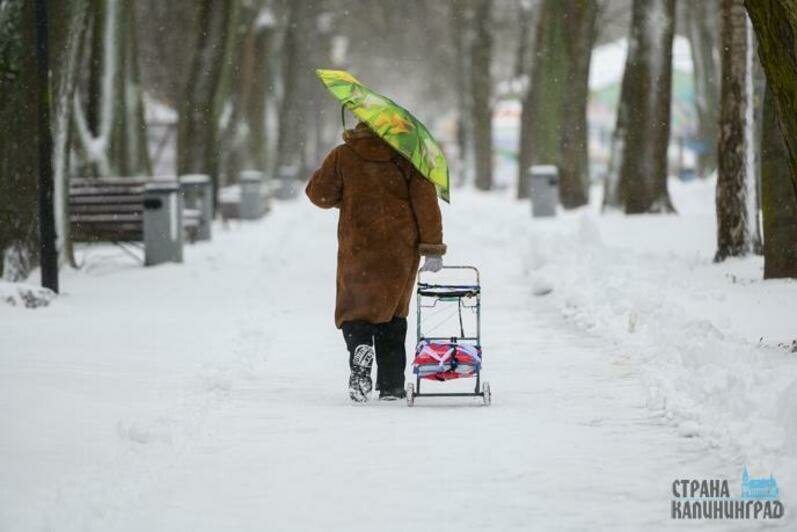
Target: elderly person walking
(388, 218)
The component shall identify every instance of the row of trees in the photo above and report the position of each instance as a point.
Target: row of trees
(212, 61)
(239, 75)
(742, 130)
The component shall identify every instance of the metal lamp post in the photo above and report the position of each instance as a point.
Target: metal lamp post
(47, 236)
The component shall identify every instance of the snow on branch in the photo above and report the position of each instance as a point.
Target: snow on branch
(97, 147)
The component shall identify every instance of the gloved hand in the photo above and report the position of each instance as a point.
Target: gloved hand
(432, 264)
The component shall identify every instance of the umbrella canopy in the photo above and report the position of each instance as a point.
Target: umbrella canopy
(405, 133)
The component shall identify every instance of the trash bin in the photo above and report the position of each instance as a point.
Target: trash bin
(252, 200)
(289, 186)
(163, 222)
(544, 190)
(197, 192)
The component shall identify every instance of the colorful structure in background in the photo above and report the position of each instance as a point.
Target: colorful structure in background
(397, 126)
(608, 63)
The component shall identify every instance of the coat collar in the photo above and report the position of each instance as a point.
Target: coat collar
(367, 144)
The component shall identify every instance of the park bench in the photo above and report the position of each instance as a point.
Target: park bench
(112, 209)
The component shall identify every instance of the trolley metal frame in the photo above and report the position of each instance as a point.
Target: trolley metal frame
(448, 293)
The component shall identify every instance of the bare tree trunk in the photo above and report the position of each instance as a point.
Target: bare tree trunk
(459, 32)
(701, 20)
(481, 86)
(128, 150)
(19, 238)
(236, 94)
(68, 27)
(138, 149)
(612, 193)
(547, 85)
(526, 65)
(541, 115)
(117, 147)
(527, 11)
(524, 147)
(579, 21)
(324, 110)
(753, 116)
(262, 87)
(48, 252)
(554, 113)
(647, 95)
(733, 236)
(198, 128)
(111, 132)
(775, 23)
(92, 108)
(96, 52)
(297, 78)
(778, 200)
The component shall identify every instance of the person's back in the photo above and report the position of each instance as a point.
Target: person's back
(388, 217)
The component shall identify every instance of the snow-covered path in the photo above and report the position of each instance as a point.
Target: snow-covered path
(211, 396)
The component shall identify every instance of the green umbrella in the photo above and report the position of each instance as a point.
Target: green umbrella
(405, 133)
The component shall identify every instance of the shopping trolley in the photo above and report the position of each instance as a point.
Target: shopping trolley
(446, 358)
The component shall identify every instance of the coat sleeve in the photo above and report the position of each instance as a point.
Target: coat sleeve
(427, 214)
(325, 188)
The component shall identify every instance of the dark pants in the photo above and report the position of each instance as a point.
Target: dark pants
(388, 342)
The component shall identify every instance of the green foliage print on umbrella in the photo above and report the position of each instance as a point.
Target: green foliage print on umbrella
(394, 124)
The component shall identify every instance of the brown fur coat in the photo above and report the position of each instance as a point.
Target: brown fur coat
(388, 218)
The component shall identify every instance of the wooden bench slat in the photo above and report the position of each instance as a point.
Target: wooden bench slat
(112, 199)
(106, 191)
(87, 202)
(107, 227)
(109, 232)
(108, 181)
(106, 218)
(111, 235)
(118, 226)
(94, 208)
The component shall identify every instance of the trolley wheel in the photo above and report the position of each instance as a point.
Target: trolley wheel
(410, 394)
(487, 395)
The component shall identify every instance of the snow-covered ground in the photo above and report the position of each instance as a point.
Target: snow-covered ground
(211, 395)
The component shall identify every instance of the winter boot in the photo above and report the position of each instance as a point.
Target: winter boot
(360, 384)
(392, 394)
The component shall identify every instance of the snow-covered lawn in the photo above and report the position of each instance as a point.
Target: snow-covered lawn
(211, 395)
(716, 345)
